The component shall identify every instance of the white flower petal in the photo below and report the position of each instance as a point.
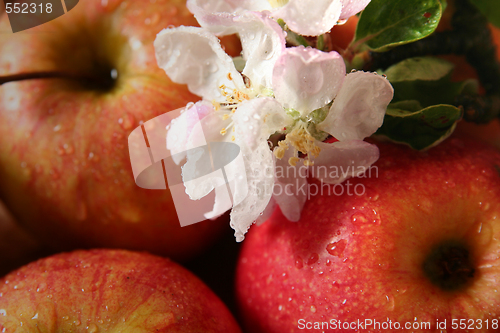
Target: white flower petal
(202, 8)
(255, 120)
(193, 56)
(310, 17)
(180, 128)
(290, 187)
(266, 214)
(222, 202)
(352, 7)
(208, 129)
(359, 108)
(306, 79)
(262, 41)
(341, 160)
(259, 168)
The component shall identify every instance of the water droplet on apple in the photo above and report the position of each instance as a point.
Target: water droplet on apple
(280, 307)
(358, 218)
(313, 309)
(336, 248)
(298, 262)
(312, 259)
(57, 128)
(390, 303)
(104, 3)
(92, 328)
(484, 234)
(65, 317)
(77, 322)
(41, 288)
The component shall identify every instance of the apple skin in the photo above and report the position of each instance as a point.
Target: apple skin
(17, 247)
(109, 291)
(65, 171)
(361, 257)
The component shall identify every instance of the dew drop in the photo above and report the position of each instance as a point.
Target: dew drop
(313, 309)
(41, 288)
(312, 259)
(92, 328)
(358, 218)
(298, 262)
(336, 248)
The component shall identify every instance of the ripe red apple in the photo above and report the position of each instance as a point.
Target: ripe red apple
(17, 248)
(420, 245)
(109, 291)
(76, 87)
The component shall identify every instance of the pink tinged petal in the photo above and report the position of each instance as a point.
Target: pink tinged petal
(262, 41)
(259, 168)
(352, 7)
(359, 108)
(180, 128)
(290, 187)
(255, 120)
(310, 17)
(341, 160)
(306, 79)
(216, 7)
(193, 56)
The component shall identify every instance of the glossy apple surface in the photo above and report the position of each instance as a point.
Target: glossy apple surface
(84, 81)
(109, 291)
(421, 244)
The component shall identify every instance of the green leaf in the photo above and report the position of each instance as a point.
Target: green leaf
(419, 68)
(426, 80)
(432, 92)
(490, 9)
(388, 23)
(420, 129)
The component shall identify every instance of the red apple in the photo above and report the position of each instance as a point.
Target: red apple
(17, 248)
(109, 291)
(420, 244)
(65, 170)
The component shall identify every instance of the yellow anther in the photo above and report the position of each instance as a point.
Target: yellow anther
(279, 152)
(226, 116)
(293, 161)
(229, 77)
(233, 138)
(308, 162)
(223, 131)
(216, 105)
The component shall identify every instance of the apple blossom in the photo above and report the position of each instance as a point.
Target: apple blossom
(305, 17)
(279, 92)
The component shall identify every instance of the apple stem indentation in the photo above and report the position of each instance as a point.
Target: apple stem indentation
(449, 266)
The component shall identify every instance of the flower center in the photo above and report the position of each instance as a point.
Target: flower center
(303, 142)
(277, 3)
(233, 98)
